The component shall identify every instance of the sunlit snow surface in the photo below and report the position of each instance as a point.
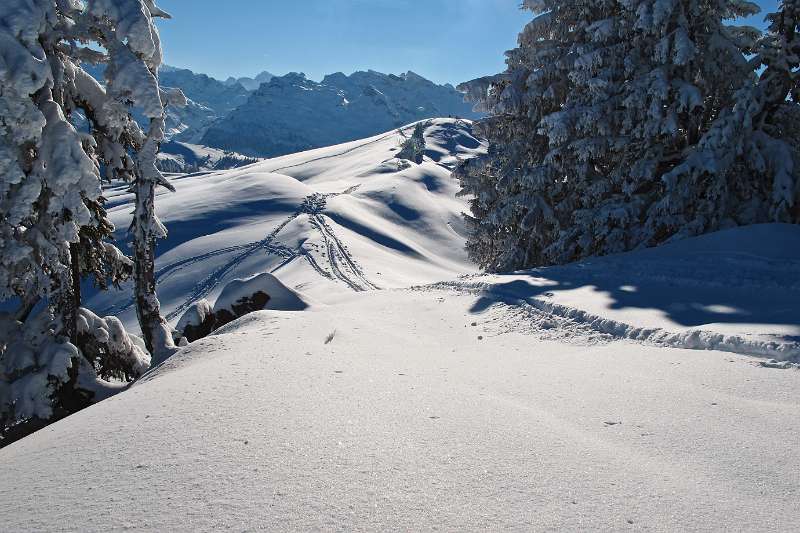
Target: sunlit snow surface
(736, 290)
(328, 221)
(412, 418)
(353, 218)
(534, 401)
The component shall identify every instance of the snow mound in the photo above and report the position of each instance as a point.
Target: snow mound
(736, 290)
(281, 297)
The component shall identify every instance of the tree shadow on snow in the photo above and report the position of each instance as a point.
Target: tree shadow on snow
(689, 293)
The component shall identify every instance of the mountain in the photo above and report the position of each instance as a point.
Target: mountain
(269, 116)
(251, 84)
(208, 100)
(205, 90)
(180, 158)
(292, 113)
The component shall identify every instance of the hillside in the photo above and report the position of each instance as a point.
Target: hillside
(655, 389)
(327, 221)
(292, 113)
(425, 409)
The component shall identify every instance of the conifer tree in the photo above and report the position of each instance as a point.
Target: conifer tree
(53, 228)
(601, 127)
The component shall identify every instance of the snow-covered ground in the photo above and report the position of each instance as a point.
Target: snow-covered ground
(326, 222)
(654, 390)
(422, 411)
(181, 157)
(736, 290)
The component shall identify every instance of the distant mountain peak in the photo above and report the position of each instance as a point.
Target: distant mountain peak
(292, 113)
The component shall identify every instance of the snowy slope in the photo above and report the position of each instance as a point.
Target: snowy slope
(181, 157)
(563, 398)
(736, 290)
(409, 420)
(328, 221)
(350, 218)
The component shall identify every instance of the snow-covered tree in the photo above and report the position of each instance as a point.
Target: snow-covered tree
(127, 32)
(413, 148)
(53, 228)
(513, 187)
(743, 169)
(604, 105)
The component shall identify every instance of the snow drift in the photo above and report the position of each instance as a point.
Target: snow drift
(420, 413)
(736, 290)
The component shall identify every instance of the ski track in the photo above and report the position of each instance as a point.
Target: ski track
(342, 266)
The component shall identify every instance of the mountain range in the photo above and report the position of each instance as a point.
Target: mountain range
(270, 116)
(292, 113)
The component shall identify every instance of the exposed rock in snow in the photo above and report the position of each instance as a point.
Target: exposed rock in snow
(279, 296)
(197, 322)
(239, 298)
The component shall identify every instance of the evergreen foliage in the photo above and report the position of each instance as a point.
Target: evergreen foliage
(54, 232)
(620, 124)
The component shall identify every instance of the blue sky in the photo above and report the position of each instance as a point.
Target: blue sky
(443, 40)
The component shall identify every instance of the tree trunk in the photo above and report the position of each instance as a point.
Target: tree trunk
(65, 307)
(75, 264)
(155, 330)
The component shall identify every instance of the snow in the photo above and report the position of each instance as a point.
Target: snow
(406, 420)
(414, 393)
(281, 297)
(325, 222)
(182, 158)
(735, 290)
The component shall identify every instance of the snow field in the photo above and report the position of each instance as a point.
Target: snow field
(411, 417)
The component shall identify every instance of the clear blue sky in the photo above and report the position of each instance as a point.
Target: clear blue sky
(443, 40)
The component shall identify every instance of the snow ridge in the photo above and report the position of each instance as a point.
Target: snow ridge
(692, 339)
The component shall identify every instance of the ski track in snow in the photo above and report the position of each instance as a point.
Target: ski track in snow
(341, 265)
(325, 250)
